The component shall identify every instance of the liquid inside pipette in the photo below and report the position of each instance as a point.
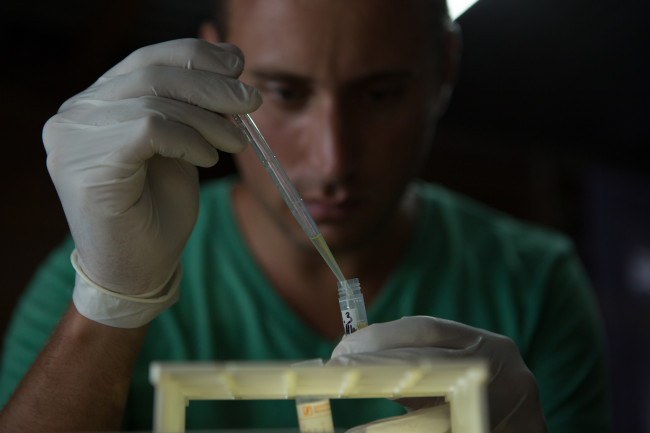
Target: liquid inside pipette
(287, 190)
(325, 252)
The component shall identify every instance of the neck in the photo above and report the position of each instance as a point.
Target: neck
(301, 276)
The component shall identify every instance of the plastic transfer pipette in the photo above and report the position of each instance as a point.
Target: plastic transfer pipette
(287, 190)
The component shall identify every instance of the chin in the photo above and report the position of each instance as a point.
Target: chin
(344, 239)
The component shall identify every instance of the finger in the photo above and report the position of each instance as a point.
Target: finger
(139, 140)
(512, 390)
(417, 331)
(204, 89)
(156, 136)
(432, 420)
(215, 130)
(224, 59)
(406, 356)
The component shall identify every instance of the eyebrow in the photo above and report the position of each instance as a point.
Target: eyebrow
(397, 75)
(279, 75)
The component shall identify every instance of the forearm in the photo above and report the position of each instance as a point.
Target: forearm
(80, 380)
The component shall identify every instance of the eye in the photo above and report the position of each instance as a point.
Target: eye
(383, 95)
(379, 95)
(288, 95)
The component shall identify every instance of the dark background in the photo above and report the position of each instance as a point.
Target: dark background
(549, 122)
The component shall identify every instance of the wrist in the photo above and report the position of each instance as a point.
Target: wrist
(118, 310)
(81, 328)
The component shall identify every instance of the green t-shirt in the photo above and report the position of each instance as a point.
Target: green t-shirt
(465, 263)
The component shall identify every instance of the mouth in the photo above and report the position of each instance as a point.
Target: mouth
(331, 211)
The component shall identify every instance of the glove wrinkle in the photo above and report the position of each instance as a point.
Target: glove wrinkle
(118, 310)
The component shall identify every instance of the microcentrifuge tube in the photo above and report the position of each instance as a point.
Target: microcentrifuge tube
(353, 309)
(314, 412)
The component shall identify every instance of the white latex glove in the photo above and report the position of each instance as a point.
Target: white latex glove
(513, 395)
(433, 419)
(122, 155)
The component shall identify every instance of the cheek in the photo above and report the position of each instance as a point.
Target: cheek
(253, 173)
(250, 167)
(397, 147)
(285, 135)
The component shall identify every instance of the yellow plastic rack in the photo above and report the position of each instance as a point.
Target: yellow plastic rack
(462, 383)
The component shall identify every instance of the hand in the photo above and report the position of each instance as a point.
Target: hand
(513, 396)
(122, 155)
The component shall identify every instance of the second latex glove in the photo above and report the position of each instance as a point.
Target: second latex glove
(122, 155)
(513, 395)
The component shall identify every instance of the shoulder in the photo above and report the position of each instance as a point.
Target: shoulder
(476, 226)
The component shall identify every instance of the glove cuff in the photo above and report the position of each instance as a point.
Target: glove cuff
(118, 310)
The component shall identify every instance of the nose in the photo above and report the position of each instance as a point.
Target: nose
(330, 148)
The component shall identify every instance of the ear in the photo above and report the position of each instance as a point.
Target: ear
(450, 64)
(451, 54)
(208, 31)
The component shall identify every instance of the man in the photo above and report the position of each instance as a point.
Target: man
(352, 92)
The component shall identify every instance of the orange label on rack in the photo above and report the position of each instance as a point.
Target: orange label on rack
(315, 417)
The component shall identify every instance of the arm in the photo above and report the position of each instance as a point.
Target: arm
(80, 380)
(122, 155)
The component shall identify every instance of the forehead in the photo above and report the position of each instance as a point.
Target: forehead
(337, 37)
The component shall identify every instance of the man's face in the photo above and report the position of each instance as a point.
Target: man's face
(351, 92)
